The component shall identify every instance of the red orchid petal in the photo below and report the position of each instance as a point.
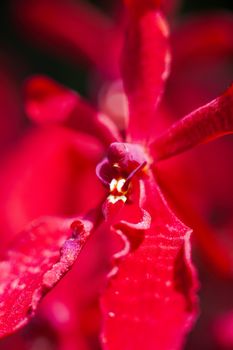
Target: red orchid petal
(150, 301)
(215, 253)
(78, 295)
(71, 29)
(145, 64)
(49, 102)
(39, 258)
(205, 124)
(42, 177)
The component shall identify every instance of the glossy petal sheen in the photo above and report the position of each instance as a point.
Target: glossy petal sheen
(150, 300)
(205, 124)
(39, 258)
(145, 64)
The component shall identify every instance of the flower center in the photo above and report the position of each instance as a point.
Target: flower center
(117, 191)
(123, 162)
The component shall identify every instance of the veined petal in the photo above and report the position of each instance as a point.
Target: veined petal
(204, 124)
(145, 65)
(150, 301)
(47, 102)
(41, 255)
(214, 250)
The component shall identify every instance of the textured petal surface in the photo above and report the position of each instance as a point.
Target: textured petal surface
(39, 258)
(188, 194)
(205, 124)
(145, 64)
(47, 102)
(150, 300)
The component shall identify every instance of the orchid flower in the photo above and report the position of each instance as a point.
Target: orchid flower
(202, 49)
(148, 296)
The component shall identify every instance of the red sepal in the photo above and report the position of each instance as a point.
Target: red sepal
(39, 258)
(204, 124)
(150, 301)
(145, 65)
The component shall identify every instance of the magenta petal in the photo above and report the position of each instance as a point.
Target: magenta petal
(205, 124)
(145, 64)
(150, 301)
(39, 258)
(47, 102)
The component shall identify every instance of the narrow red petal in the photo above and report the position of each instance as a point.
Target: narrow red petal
(39, 258)
(145, 64)
(205, 124)
(47, 102)
(150, 300)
